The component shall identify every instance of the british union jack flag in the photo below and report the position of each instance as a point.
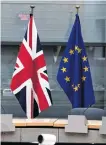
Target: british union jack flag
(30, 80)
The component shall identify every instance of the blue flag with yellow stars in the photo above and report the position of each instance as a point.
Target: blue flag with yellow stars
(74, 74)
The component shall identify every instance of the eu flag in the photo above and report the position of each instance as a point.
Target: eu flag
(74, 74)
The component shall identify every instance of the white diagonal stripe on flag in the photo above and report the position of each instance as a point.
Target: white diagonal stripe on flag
(18, 69)
(27, 47)
(44, 84)
(39, 53)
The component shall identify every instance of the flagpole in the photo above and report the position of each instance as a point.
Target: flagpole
(77, 7)
(32, 8)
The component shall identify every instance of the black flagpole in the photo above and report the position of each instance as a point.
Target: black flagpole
(32, 7)
(77, 7)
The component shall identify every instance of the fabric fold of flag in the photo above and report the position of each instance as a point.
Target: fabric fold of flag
(30, 82)
(74, 74)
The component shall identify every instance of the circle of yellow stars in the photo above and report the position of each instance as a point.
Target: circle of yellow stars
(85, 68)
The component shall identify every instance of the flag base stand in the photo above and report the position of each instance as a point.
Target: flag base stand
(6, 123)
(102, 129)
(76, 124)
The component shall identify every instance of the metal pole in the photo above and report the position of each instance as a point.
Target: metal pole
(32, 7)
(77, 7)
